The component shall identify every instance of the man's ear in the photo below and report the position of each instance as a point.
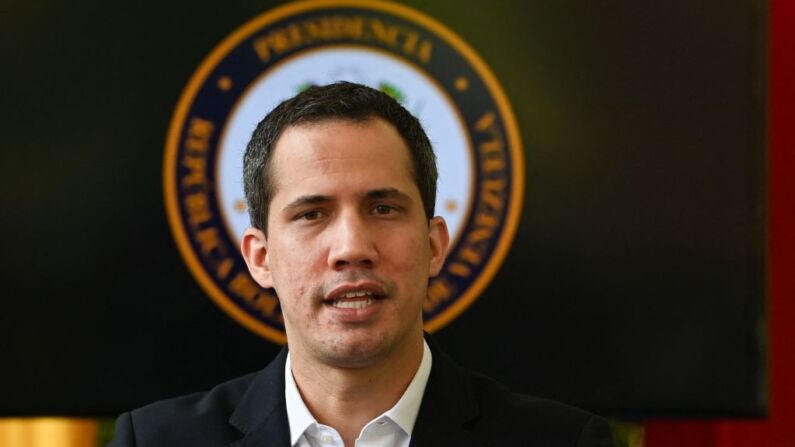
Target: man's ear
(254, 247)
(439, 238)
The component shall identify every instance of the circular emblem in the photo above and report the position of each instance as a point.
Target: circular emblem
(424, 65)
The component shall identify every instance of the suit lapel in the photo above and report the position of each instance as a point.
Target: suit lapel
(261, 414)
(449, 402)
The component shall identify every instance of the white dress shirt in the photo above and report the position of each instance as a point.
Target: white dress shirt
(391, 429)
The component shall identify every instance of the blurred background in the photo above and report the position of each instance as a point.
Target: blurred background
(650, 279)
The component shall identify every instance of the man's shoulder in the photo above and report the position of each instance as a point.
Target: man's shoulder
(200, 418)
(513, 414)
(218, 401)
(497, 398)
(490, 412)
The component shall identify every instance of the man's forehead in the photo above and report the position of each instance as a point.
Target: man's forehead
(331, 121)
(340, 138)
(311, 150)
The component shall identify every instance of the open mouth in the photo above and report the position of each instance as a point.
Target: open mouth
(353, 299)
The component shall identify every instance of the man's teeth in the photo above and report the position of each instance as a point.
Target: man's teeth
(358, 304)
(356, 294)
(353, 304)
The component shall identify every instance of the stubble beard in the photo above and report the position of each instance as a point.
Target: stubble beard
(357, 345)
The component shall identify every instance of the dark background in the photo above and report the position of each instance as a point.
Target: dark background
(635, 285)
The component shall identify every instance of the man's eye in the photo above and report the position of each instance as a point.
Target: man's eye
(383, 209)
(309, 215)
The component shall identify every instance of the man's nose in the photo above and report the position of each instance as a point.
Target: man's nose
(352, 243)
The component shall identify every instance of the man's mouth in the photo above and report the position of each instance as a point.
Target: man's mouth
(352, 298)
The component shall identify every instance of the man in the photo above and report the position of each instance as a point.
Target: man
(341, 184)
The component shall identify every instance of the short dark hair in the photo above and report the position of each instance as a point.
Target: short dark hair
(341, 100)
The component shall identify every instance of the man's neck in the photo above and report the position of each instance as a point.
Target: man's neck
(348, 398)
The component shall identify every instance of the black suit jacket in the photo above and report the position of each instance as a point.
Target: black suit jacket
(459, 408)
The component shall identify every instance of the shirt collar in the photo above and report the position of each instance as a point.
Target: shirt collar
(404, 413)
(298, 416)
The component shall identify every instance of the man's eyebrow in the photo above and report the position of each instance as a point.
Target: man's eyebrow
(303, 201)
(315, 199)
(386, 193)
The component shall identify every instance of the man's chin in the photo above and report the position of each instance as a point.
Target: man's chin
(357, 349)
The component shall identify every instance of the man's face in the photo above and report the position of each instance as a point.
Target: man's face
(349, 249)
